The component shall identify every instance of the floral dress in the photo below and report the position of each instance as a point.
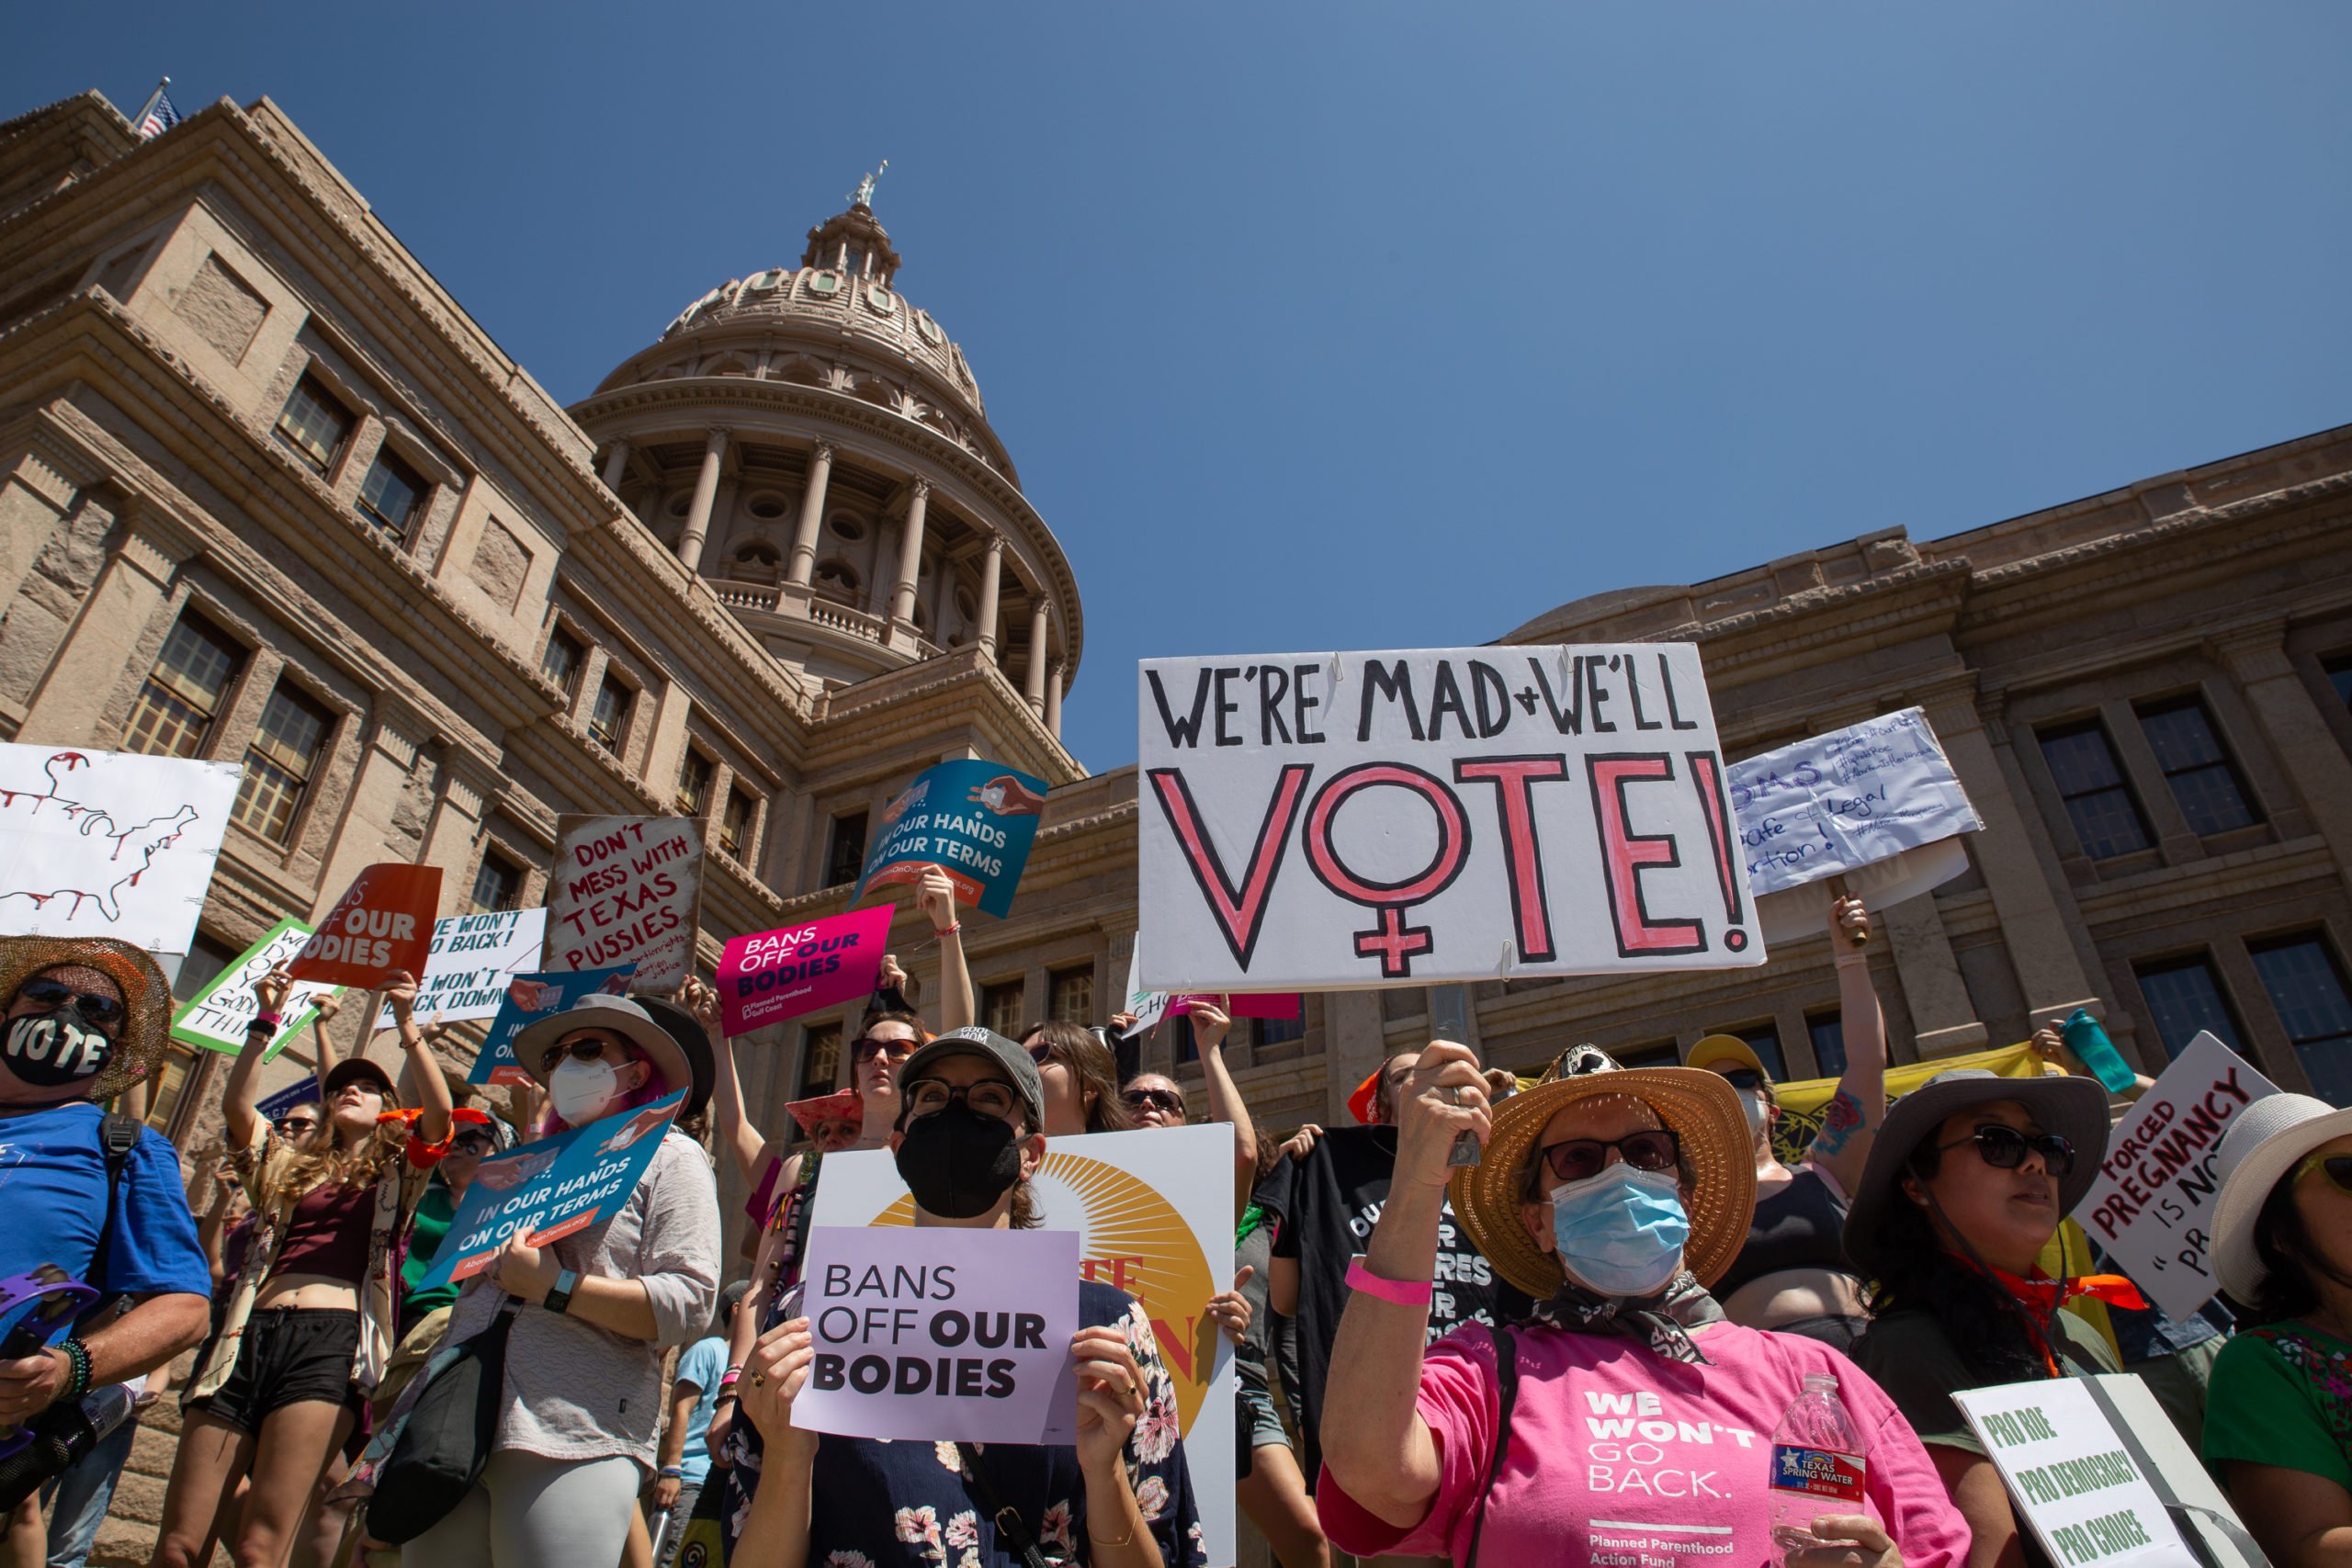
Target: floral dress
(901, 1505)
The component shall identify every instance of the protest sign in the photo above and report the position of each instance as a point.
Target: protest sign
(528, 998)
(771, 976)
(626, 890)
(941, 1334)
(1154, 1215)
(473, 957)
(2073, 1476)
(1831, 804)
(273, 1108)
(382, 923)
(1150, 1007)
(215, 1018)
(973, 819)
(548, 1189)
(2151, 1207)
(109, 843)
(1460, 814)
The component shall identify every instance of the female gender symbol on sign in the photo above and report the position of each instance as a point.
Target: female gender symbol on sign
(1392, 939)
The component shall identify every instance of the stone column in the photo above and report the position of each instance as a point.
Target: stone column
(1943, 1019)
(2306, 746)
(992, 583)
(1035, 691)
(812, 516)
(667, 754)
(902, 593)
(467, 786)
(1054, 701)
(616, 467)
(1355, 1041)
(87, 664)
(706, 492)
(379, 817)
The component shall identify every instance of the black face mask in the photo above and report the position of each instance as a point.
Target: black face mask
(52, 1050)
(957, 1162)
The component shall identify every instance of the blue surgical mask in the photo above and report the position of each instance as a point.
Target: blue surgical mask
(1622, 1231)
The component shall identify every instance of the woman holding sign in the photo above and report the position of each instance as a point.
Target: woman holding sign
(1630, 1421)
(581, 1408)
(309, 1326)
(970, 1136)
(1966, 1185)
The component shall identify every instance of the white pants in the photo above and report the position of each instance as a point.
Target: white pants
(528, 1511)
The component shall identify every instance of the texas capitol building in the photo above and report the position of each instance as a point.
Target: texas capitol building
(268, 494)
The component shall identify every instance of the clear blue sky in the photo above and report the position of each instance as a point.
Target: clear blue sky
(1320, 327)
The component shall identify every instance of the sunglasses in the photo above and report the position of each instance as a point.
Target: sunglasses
(925, 1096)
(2003, 1147)
(92, 1007)
(1165, 1101)
(865, 1048)
(1744, 1078)
(2337, 1167)
(299, 1126)
(1575, 1160)
(578, 1049)
(474, 1143)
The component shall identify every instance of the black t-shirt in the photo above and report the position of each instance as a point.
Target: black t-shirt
(1328, 1203)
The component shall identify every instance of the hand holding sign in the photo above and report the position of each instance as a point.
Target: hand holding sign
(774, 1374)
(383, 922)
(1109, 1397)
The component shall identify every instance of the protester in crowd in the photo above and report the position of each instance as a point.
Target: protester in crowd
(1611, 1199)
(309, 1324)
(1119, 1497)
(1968, 1180)
(97, 1197)
(685, 1459)
(1793, 1276)
(831, 1122)
(475, 1135)
(1325, 1193)
(2279, 1413)
(1153, 1099)
(1267, 1480)
(581, 1400)
(1081, 1078)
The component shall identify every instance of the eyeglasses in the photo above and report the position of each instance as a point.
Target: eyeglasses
(2338, 1169)
(865, 1048)
(1165, 1101)
(91, 1005)
(590, 1050)
(1744, 1078)
(1575, 1160)
(925, 1096)
(2003, 1147)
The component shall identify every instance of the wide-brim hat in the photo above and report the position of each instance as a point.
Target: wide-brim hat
(841, 1104)
(972, 1039)
(624, 1018)
(145, 1035)
(2074, 1108)
(355, 1068)
(694, 1039)
(2266, 1140)
(1700, 1108)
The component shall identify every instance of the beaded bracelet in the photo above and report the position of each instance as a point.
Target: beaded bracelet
(77, 1376)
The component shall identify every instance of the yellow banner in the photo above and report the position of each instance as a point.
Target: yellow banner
(1803, 1103)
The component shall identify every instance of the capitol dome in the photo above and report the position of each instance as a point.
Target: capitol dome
(815, 445)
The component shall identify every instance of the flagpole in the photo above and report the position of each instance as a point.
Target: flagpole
(141, 118)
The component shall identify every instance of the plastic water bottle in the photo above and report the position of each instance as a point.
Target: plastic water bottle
(1817, 1465)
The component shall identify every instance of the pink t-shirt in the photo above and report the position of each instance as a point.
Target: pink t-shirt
(1621, 1458)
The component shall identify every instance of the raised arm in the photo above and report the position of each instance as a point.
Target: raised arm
(1210, 1025)
(1374, 1442)
(935, 897)
(323, 1054)
(242, 1093)
(1851, 1122)
(432, 1089)
(737, 1134)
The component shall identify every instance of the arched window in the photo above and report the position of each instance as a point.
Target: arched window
(758, 563)
(837, 580)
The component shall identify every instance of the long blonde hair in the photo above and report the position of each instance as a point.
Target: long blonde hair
(320, 1160)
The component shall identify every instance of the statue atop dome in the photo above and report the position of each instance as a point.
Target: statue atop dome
(863, 196)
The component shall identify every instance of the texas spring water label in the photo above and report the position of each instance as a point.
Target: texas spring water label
(1817, 1465)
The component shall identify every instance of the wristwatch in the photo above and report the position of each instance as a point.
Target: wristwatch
(559, 1297)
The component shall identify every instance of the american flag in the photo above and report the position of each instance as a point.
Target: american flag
(160, 117)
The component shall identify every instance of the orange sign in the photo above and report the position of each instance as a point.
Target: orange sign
(382, 922)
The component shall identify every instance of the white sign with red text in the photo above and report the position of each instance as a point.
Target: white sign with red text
(626, 890)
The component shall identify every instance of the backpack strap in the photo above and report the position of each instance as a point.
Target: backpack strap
(1507, 1391)
(118, 1135)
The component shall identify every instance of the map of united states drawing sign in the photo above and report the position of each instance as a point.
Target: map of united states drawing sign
(109, 843)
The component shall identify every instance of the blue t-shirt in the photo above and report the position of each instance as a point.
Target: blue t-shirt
(53, 1193)
(703, 1365)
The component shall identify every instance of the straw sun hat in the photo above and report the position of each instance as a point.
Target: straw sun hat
(143, 1037)
(1698, 1107)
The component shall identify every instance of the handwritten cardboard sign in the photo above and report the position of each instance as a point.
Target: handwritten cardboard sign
(383, 922)
(215, 1017)
(550, 1188)
(1323, 821)
(973, 819)
(771, 976)
(473, 957)
(2072, 1477)
(626, 890)
(1852, 797)
(530, 997)
(1154, 1216)
(941, 1334)
(2151, 1207)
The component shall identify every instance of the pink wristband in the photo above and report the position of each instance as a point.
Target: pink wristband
(1403, 1292)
